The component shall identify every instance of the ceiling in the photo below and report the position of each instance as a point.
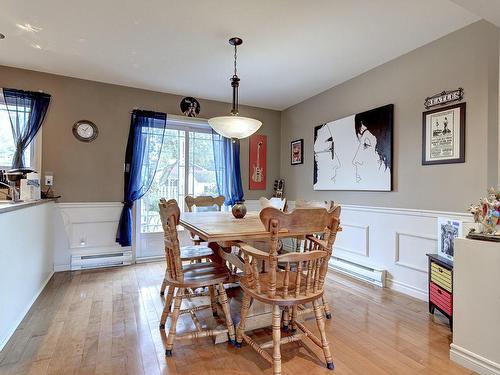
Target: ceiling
(487, 9)
(292, 49)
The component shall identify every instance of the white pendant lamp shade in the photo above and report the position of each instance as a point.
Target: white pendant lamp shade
(234, 126)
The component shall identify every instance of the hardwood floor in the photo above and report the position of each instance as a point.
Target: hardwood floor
(106, 322)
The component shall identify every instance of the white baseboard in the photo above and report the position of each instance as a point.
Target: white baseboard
(473, 362)
(62, 267)
(150, 259)
(4, 340)
(410, 290)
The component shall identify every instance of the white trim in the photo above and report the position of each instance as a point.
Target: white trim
(24, 313)
(407, 211)
(62, 267)
(408, 289)
(192, 122)
(89, 204)
(473, 361)
(150, 259)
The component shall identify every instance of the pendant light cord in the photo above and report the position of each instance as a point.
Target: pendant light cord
(235, 58)
(235, 82)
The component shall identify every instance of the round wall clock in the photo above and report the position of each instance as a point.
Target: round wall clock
(85, 131)
(190, 107)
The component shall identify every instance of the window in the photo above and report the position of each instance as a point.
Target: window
(7, 145)
(186, 167)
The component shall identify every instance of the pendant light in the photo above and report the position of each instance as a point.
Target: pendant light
(235, 126)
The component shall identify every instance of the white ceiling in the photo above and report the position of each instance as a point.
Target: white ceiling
(487, 9)
(292, 49)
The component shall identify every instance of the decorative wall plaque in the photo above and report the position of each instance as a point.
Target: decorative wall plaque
(444, 97)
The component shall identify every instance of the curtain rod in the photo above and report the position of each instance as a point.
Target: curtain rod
(179, 118)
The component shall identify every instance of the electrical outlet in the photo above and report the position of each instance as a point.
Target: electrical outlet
(49, 180)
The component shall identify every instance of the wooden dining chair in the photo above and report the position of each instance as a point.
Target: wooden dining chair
(203, 203)
(279, 203)
(192, 253)
(301, 203)
(301, 281)
(182, 277)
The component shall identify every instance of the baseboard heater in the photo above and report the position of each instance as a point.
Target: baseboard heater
(82, 262)
(368, 273)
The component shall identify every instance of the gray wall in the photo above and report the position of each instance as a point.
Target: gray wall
(94, 172)
(467, 58)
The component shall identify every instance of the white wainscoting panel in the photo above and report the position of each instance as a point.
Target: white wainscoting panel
(355, 239)
(392, 239)
(84, 229)
(398, 242)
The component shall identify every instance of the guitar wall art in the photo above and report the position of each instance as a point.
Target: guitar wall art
(258, 170)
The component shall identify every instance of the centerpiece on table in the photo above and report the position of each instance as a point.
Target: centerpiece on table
(487, 214)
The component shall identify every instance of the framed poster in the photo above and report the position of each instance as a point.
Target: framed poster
(355, 153)
(258, 171)
(443, 135)
(448, 230)
(297, 152)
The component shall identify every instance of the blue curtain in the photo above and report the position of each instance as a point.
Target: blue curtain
(27, 111)
(227, 168)
(145, 141)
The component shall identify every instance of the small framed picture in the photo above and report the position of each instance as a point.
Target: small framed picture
(297, 152)
(448, 230)
(443, 135)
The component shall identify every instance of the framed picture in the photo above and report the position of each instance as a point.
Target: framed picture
(448, 230)
(258, 171)
(443, 135)
(296, 152)
(355, 153)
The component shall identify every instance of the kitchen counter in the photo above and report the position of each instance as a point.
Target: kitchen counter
(7, 206)
(26, 259)
(476, 306)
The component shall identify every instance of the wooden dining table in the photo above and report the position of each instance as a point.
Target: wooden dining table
(220, 229)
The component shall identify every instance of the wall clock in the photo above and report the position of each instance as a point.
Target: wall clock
(85, 131)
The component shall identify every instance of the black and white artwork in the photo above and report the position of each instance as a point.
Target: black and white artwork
(355, 152)
(448, 230)
(443, 135)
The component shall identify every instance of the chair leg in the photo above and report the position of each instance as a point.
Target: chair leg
(175, 315)
(166, 308)
(326, 306)
(276, 340)
(227, 313)
(245, 305)
(294, 318)
(321, 327)
(286, 318)
(163, 285)
(213, 300)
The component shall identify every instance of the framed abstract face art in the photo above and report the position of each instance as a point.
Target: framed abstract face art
(355, 153)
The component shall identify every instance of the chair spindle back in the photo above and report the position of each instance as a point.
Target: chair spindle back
(169, 215)
(304, 273)
(204, 201)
